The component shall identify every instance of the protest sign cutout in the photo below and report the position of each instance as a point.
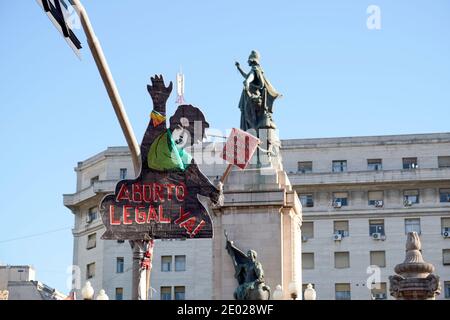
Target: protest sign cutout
(162, 202)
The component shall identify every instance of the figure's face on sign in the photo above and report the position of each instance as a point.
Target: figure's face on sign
(186, 134)
(181, 136)
(188, 126)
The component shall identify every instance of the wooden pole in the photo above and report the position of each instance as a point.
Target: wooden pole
(147, 283)
(116, 101)
(151, 245)
(110, 85)
(226, 173)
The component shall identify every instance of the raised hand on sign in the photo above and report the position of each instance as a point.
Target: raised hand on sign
(159, 92)
(162, 202)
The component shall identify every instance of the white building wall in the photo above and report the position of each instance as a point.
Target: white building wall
(110, 278)
(15, 273)
(197, 278)
(393, 180)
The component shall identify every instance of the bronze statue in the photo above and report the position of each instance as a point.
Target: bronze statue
(249, 274)
(258, 95)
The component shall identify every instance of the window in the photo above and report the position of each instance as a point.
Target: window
(166, 293)
(378, 258)
(92, 241)
(342, 260)
(374, 164)
(308, 260)
(90, 270)
(412, 225)
(410, 163)
(444, 162)
(120, 241)
(94, 179)
(180, 263)
(444, 195)
(180, 293)
(341, 227)
(120, 262)
(342, 291)
(306, 200)
(339, 165)
(445, 225)
(375, 198)
(308, 230)
(379, 291)
(446, 257)
(410, 197)
(447, 289)
(92, 215)
(305, 167)
(166, 263)
(340, 198)
(119, 293)
(376, 226)
(123, 173)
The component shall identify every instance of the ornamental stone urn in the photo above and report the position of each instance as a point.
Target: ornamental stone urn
(414, 279)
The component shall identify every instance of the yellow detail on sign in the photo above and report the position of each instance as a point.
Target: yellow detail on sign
(157, 118)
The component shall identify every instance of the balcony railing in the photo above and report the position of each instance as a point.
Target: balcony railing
(102, 186)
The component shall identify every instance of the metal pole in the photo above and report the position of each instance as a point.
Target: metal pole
(139, 273)
(138, 282)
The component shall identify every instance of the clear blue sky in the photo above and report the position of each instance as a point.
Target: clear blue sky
(338, 79)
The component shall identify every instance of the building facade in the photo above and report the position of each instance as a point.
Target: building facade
(15, 273)
(19, 283)
(360, 196)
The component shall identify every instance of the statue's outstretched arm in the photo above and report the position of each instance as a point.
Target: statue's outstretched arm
(231, 252)
(238, 66)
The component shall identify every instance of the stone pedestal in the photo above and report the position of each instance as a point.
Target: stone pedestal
(261, 212)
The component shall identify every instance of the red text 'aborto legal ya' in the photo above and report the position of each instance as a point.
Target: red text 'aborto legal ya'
(149, 203)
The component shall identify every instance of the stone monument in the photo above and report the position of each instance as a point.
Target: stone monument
(414, 279)
(261, 211)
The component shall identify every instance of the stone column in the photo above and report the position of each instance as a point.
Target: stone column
(261, 212)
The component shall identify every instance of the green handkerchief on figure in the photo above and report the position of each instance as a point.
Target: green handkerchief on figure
(164, 154)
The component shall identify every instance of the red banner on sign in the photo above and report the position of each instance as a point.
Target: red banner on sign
(240, 148)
